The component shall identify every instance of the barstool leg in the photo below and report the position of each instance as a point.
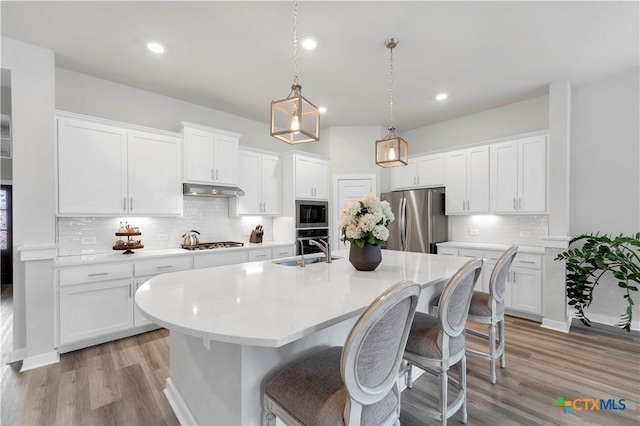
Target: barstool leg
(492, 351)
(444, 405)
(463, 386)
(503, 362)
(408, 378)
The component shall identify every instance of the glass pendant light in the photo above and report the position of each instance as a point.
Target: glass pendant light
(392, 151)
(294, 119)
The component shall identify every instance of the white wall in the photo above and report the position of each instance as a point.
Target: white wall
(605, 172)
(88, 95)
(513, 119)
(33, 100)
(352, 150)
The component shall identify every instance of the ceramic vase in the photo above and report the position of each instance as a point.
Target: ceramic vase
(366, 258)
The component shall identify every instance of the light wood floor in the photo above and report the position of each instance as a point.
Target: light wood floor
(121, 383)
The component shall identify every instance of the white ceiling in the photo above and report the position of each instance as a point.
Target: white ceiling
(237, 56)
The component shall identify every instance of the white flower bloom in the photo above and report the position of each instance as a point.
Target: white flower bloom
(365, 218)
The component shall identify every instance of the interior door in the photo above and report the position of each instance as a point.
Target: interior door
(348, 188)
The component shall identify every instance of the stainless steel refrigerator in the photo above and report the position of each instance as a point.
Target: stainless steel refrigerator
(420, 221)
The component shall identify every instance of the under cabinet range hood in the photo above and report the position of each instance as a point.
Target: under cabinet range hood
(211, 190)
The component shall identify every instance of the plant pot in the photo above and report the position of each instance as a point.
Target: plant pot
(366, 258)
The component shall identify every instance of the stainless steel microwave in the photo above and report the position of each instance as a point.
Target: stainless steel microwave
(312, 214)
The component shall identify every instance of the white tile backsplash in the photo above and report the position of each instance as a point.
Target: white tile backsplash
(209, 216)
(525, 230)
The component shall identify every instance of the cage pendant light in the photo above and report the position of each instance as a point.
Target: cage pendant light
(392, 151)
(294, 119)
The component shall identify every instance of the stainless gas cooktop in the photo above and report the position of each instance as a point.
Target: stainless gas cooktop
(214, 245)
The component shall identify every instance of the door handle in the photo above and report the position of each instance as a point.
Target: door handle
(130, 290)
(124, 204)
(131, 204)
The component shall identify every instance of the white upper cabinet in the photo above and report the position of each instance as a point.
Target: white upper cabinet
(311, 178)
(210, 155)
(153, 171)
(518, 176)
(421, 172)
(261, 182)
(467, 181)
(106, 170)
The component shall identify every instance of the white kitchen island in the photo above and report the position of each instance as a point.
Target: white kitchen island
(233, 327)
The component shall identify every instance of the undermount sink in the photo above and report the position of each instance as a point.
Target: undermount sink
(307, 260)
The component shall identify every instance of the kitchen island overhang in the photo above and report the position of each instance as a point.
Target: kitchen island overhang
(232, 327)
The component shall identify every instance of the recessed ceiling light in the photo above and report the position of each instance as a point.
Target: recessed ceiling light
(442, 96)
(155, 47)
(322, 109)
(309, 44)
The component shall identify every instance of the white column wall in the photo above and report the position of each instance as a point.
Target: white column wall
(33, 102)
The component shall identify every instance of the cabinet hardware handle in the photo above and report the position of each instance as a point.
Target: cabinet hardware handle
(164, 267)
(129, 290)
(213, 175)
(98, 274)
(124, 204)
(414, 180)
(216, 174)
(137, 285)
(520, 203)
(530, 262)
(418, 179)
(514, 203)
(131, 204)
(468, 208)
(261, 255)
(446, 254)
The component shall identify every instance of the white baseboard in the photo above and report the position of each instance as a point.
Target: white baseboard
(40, 360)
(611, 320)
(178, 405)
(562, 326)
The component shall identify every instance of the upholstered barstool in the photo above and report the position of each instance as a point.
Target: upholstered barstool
(354, 384)
(488, 308)
(438, 342)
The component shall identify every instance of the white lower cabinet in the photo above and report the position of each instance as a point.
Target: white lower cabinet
(260, 254)
(95, 309)
(523, 293)
(207, 260)
(146, 269)
(280, 252)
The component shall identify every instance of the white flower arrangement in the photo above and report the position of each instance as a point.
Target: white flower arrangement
(365, 221)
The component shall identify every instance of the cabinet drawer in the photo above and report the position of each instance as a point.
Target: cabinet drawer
(260, 254)
(219, 259)
(470, 253)
(280, 252)
(448, 251)
(491, 256)
(160, 266)
(525, 260)
(94, 273)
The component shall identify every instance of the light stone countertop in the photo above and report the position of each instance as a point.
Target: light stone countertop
(266, 304)
(496, 247)
(139, 254)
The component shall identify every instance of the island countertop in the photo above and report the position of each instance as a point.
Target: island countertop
(267, 304)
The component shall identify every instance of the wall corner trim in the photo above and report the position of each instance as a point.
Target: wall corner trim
(37, 252)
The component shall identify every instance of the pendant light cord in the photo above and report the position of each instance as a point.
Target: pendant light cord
(295, 42)
(391, 88)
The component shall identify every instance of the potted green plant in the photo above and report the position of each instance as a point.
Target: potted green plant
(588, 263)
